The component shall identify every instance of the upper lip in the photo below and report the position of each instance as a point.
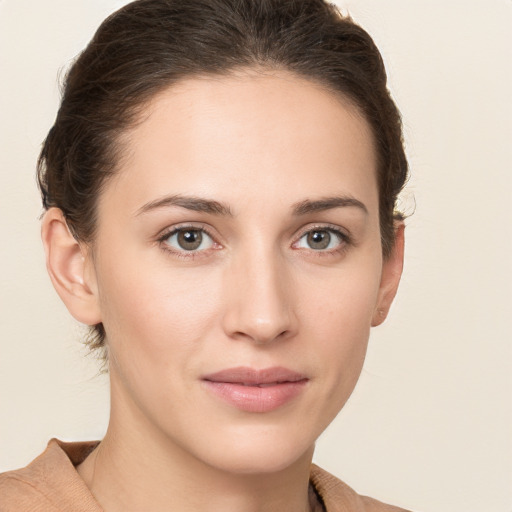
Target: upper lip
(252, 376)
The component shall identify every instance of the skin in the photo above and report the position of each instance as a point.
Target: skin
(255, 294)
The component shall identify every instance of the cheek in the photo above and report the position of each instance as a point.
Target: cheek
(338, 317)
(152, 310)
(342, 303)
(156, 321)
(342, 329)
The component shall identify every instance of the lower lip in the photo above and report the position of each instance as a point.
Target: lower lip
(255, 398)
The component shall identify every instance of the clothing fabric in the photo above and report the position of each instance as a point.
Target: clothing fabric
(52, 484)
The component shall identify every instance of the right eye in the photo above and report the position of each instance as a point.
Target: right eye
(189, 240)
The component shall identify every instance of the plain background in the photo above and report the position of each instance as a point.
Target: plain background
(429, 426)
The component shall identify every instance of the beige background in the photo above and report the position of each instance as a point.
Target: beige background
(430, 424)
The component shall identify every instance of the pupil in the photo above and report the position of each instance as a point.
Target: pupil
(319, 239)
(190, 240)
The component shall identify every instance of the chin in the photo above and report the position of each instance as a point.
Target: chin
(270, 462)
(250, 454)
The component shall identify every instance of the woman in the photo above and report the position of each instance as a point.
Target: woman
(220, 189)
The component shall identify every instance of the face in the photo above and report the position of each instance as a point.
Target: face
(238, 268)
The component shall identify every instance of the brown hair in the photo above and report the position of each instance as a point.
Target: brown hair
(151, 44)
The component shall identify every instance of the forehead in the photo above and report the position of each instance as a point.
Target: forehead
(248, 132)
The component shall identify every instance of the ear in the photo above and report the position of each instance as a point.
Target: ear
(391, 272)
(70, 267)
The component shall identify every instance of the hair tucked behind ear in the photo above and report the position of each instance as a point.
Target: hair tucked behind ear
(149, 45)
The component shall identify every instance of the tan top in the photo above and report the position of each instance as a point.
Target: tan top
(52, 484)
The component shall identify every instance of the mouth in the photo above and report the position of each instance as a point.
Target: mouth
(252, 390)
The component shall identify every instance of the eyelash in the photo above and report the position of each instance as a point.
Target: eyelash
(344, 238)
(184, 254)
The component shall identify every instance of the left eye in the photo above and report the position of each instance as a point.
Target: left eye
(320, 240)
(188, 239)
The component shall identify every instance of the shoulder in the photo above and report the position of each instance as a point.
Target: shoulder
(339, 497)
(50, 483)
(19, 490)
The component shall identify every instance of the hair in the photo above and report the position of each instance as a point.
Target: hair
(149, 45)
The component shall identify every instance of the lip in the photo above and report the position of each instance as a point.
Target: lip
(253, 390)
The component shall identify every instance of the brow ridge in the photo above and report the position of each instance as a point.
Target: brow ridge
(197, 204)
(327, 203)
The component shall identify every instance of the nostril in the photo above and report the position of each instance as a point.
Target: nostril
(261, 335)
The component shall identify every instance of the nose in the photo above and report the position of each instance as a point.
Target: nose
(260, 305)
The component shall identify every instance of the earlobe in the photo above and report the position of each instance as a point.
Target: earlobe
(391, 273)
(66, 261)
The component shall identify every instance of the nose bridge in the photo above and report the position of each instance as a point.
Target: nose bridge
(260, 305)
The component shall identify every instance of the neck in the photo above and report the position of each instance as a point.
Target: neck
(136, 467)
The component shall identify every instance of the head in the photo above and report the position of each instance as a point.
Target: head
(169, 107)
(150, 45)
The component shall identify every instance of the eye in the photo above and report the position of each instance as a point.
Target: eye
(189, 239)
(321, 240)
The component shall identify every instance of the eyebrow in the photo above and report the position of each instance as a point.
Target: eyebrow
(327, 203)
(193, 203)
(210, 206)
